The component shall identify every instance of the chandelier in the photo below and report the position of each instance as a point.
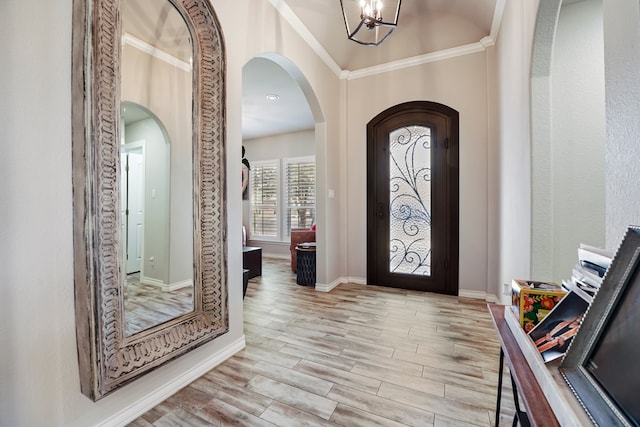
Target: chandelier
(365, 23)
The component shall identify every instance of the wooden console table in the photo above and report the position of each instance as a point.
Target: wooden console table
(526, 389)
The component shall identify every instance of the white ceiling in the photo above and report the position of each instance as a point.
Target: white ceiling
(262, 117)
(425, 27)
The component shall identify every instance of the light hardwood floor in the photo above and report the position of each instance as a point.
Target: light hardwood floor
(146, 306)
(357, 356)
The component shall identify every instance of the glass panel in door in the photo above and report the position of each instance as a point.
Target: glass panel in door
(410, 200)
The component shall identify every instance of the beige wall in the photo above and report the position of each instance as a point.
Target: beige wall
(460, 83)
(622, 108)
(39, 382)
(156, 210)
(513, 50)
(294, 144)
(38, 364)
(568, 128)
(578, 113)
(622, 88)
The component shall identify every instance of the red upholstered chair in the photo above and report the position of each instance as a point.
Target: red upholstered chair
(300, 235)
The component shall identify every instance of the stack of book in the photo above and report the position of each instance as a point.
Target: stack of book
(586, 276)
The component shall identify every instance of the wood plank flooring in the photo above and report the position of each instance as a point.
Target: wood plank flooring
(357, 356)
(146, 306)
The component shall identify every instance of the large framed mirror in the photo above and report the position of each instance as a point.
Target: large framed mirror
(149, 185)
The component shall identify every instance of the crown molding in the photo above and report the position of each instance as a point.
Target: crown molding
(298, 26)
(498, 13)
(417, 60)
(145, 47)
(487, 41)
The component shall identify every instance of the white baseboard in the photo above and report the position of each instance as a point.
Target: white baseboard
(166, 287)
(153, 282)
(477, 295)
(178, 285)
(321, 287)
(327, 288)
(159, 395)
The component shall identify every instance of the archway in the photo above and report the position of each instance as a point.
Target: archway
(413, 197)
(567, 140)
(308, 126)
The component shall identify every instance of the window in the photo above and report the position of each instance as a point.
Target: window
(264, 199)
(300, 178)
(283, 196)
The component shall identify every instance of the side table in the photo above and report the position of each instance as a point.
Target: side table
(306, 264)
(245, 282)
(252, 260)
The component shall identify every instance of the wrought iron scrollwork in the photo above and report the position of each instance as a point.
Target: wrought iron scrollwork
(410, 200)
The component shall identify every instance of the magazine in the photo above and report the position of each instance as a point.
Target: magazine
(554, 333)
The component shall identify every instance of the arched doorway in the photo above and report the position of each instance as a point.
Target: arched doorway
(412, 198)
(301, 146)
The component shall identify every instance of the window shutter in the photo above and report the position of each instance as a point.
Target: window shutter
(300, 180)
(264, 199)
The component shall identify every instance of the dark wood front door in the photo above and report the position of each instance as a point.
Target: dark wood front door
(412, 198)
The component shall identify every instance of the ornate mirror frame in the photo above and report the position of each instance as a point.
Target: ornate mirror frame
(108, 358)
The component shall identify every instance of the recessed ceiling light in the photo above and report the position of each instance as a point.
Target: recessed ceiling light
(272, 97)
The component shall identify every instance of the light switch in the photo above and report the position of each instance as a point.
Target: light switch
(331, 193)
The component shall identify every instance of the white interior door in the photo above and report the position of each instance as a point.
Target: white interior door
(123, 203)
(134, 208)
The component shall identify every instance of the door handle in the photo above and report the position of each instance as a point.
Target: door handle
(380, 210)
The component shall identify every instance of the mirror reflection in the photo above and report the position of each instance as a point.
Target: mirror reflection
(156, 164)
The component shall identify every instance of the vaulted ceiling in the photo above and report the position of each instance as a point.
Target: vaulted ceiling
(424, 26)
(426, 29)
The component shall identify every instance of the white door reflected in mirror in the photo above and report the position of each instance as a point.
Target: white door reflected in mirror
(133, 205)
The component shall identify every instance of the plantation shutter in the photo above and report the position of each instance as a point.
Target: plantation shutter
(300, 178)
(264, 199)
